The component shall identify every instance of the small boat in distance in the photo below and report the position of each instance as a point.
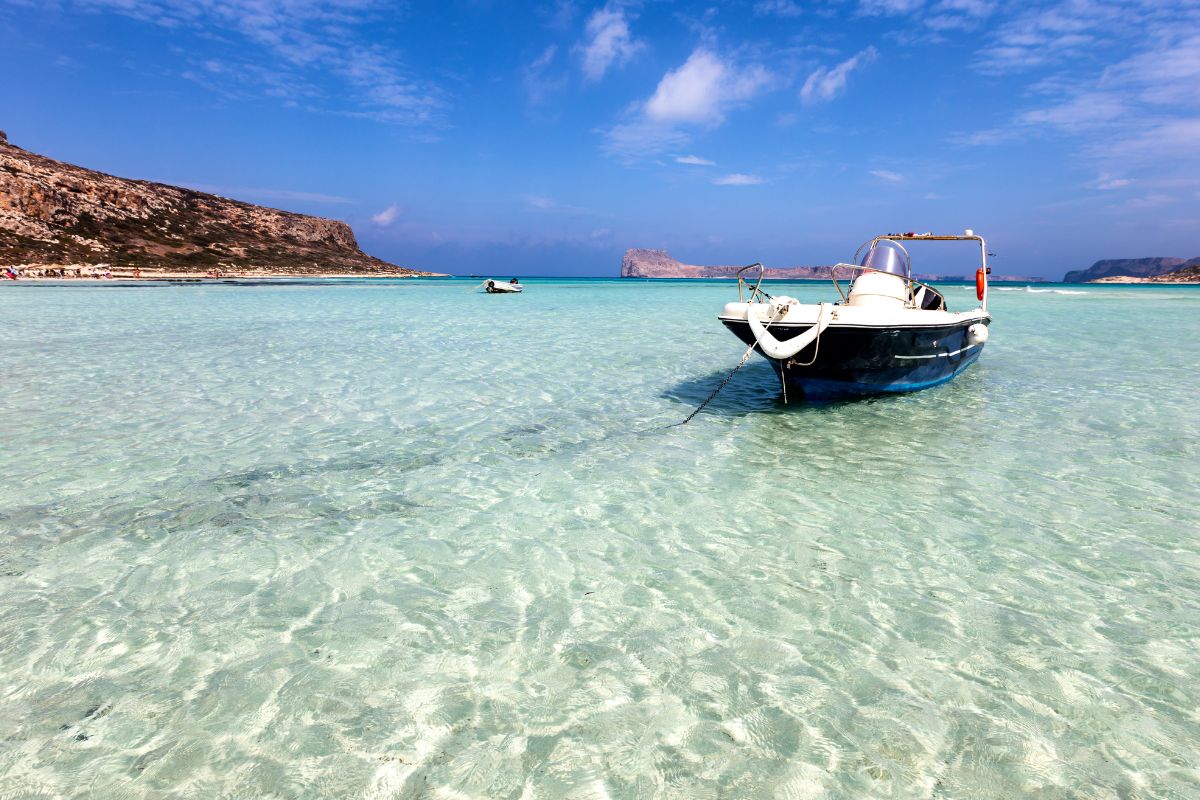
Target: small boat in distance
(888, 333)
(497, 287)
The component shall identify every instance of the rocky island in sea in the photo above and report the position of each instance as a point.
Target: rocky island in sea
(645, 263)
(60, 220)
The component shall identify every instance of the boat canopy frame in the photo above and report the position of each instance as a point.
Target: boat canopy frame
(757, 294)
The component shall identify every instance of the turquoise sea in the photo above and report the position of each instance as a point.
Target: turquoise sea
(376, 539)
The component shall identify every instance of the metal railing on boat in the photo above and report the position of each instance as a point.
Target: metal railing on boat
(758, 295)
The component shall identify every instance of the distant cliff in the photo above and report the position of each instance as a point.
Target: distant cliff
(57, 213)
(642, 263)
(1127, 267)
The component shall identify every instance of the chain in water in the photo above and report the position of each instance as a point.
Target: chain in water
(720, 386)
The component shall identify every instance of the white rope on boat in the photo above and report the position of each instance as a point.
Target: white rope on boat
(785, 350)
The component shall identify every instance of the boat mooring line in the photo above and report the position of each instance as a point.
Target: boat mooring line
(741, 363)
(716, 391)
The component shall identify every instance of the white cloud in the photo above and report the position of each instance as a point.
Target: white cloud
(699, 92)
(825, 83)
(608, 41)
(695, 160)
(738, 179)
(386, 217)
(887, 175)
(778, 8)
(703, 88)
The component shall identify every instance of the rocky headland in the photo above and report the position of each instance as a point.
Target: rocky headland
(644, 263)
(1158, 269)
(60, 219)
(1188, 273)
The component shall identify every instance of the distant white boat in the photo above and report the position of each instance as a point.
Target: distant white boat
(498, 287)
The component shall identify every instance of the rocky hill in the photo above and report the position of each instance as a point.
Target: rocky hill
(1127, 267)
(52, 213)
(642, 263)
(1188, 273)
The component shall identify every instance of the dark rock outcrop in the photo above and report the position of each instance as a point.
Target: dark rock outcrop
(57, 213)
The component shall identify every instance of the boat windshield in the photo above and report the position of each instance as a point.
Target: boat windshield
(885, 259)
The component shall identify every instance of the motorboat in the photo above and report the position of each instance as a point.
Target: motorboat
(501, 287)
(886, 332)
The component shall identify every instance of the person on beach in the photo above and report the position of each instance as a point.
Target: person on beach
(8, 273)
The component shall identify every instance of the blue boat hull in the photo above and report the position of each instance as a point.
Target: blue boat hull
(854, 362)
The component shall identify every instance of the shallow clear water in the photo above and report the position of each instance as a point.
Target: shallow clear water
(401, 539)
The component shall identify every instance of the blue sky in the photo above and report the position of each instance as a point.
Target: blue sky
(546, 138)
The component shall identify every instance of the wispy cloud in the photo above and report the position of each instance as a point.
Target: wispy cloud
(826, 83)
(957, 15)
(537, 202)
(1051, 33)
(640, 138)
(778, 8)
(1167, 74)
(887, 176)
(1138, 117)
(1081, 112)
(538, 82)
(387, 217)
(1147, 201)
(294, 46)
(608, 42)
(888, 7)
(738, 179)
(695, 160)
(1107, 183)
